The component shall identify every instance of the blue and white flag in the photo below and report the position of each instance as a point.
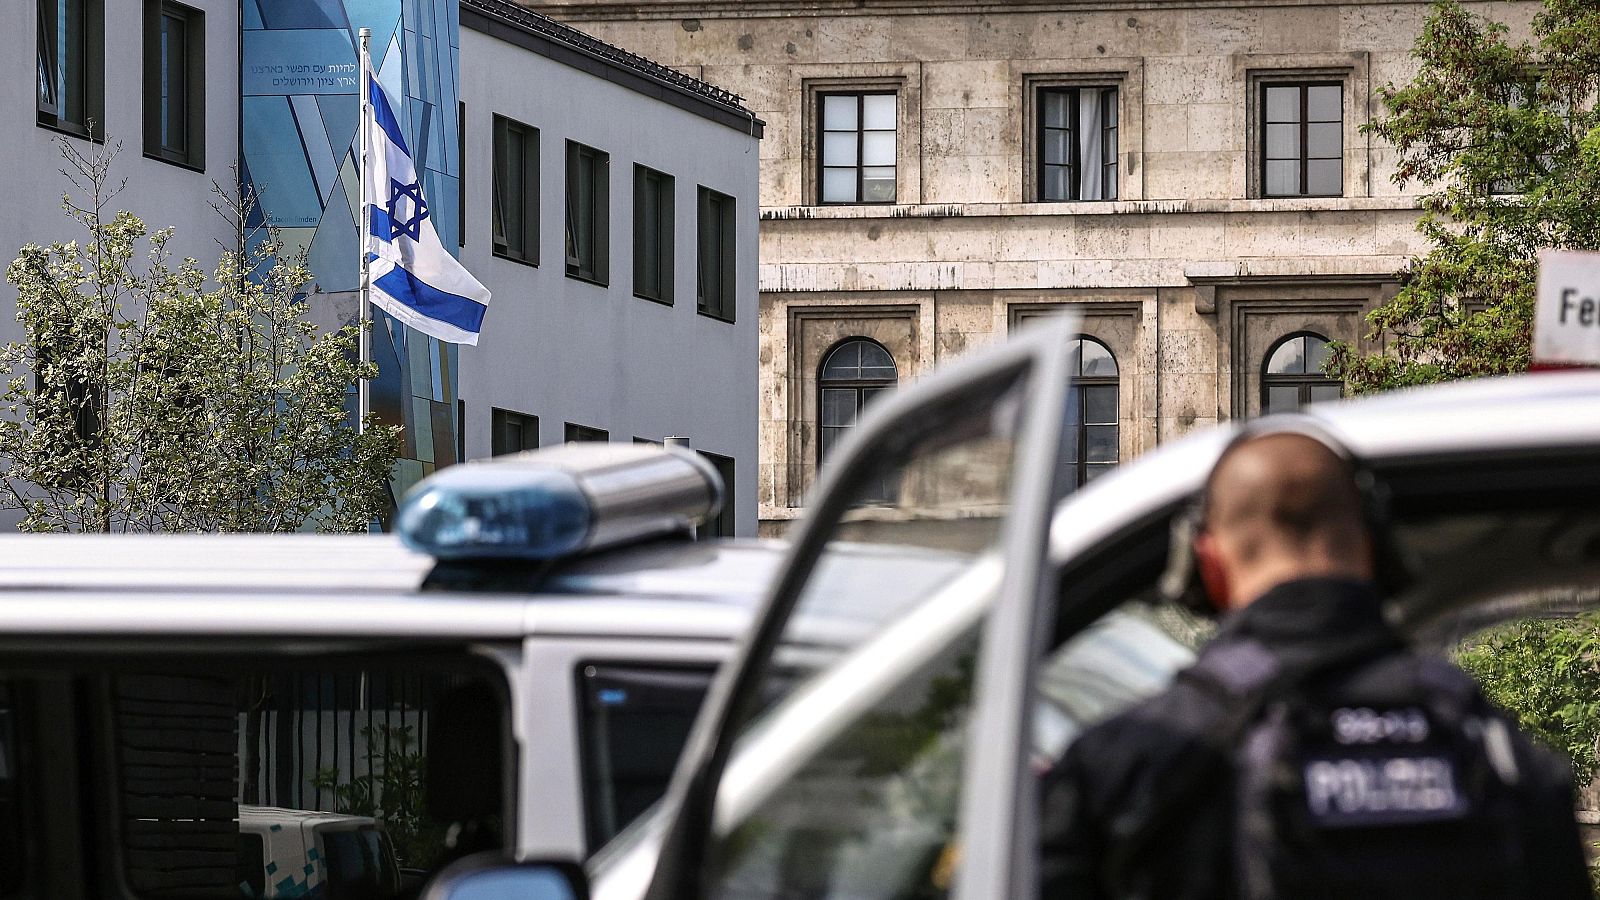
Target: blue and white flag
(412, 276)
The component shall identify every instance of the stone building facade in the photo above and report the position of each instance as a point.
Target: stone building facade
(1192, 176)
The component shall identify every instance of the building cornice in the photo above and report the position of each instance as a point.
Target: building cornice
(612, 10)
(522, 27)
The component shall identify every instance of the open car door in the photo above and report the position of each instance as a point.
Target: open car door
(831, 758)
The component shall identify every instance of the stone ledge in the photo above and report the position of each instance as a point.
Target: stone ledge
(1092, 208)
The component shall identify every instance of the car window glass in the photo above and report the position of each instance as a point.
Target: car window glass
(949, 478)
(221, 779)
(635, 720)
(1125, 656)
(873, 815)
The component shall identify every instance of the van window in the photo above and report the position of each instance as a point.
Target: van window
(636, 719)
(212, 778)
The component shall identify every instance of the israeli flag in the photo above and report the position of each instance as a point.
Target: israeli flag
(412, 276)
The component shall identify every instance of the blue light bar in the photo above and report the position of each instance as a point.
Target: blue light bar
(559, 502)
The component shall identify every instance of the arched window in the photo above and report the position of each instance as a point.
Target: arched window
(1097, 404)
(1293, 374)
(853, 373)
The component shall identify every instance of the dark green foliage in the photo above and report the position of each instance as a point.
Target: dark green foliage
(1502, 138)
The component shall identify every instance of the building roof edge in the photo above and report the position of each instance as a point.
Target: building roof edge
(541, 34)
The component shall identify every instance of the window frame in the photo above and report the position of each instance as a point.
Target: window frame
(1303, 382)
(1110, 167)
(858, 385)
(723, 525)
(91, 90)
(499, 418)
(573, 432)
(1080, 381)
(860, 95)
(506, 126)
(1262, 86)
(591, 260)
(725, 306)
(646, 179)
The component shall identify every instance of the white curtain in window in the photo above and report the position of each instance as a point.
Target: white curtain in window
(1091, 167)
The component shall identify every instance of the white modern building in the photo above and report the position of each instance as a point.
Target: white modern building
(608, 202)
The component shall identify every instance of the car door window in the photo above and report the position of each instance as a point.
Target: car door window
(203, 777)
(872, 809)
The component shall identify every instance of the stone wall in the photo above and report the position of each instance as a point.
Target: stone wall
(1190, 277)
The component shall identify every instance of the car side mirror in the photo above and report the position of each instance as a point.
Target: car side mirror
(495, 879)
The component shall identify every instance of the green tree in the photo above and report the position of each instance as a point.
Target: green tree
(146, 396)
(1501, 136)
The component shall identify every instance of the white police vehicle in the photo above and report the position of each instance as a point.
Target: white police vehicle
(519, 679)
(905, 765)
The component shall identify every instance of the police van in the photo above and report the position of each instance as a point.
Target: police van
(341, 716)
(903, 761)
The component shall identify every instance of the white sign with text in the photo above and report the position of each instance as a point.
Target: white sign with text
(1566, 319)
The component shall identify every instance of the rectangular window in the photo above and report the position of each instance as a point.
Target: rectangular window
(516, 191)
(585, 433)
(461, 173)
(722, 525)
(174, 83)
(461, 431)
(652, 234)
(856, 147)
(1302, 140)
(190, 772)
(513, 432)
(1077, 143)
(588, 213)
(717, 265)
(636, 719)
(71, 92)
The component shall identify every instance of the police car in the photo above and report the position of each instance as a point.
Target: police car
(341, 716)
(903, 763)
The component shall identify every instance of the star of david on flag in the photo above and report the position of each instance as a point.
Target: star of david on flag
(412, 276)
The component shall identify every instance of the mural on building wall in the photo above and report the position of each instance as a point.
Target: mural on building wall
(298, 118)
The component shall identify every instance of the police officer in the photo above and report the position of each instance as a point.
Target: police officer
(1308, 752)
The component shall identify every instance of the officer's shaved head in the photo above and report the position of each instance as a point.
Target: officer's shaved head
(1279, 507)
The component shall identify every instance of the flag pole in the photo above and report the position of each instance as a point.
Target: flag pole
(364, 384)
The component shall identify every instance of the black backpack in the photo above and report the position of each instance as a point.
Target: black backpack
(1367, 772)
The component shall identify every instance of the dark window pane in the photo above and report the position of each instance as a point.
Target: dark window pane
(1101, 443)
(173, 73)
(1057, 150)
(1091, 471)
(1324, 392)
(635, 722)
(1282, 398)
(839, 406)
(1325, 177)
(1289, 358)
(1100, 404)
(1324, 103)
(1055, 183)
(1056, 105)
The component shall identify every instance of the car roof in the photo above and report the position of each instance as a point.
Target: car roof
(368, 586)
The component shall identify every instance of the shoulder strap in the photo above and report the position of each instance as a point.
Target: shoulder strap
(1243, 677)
